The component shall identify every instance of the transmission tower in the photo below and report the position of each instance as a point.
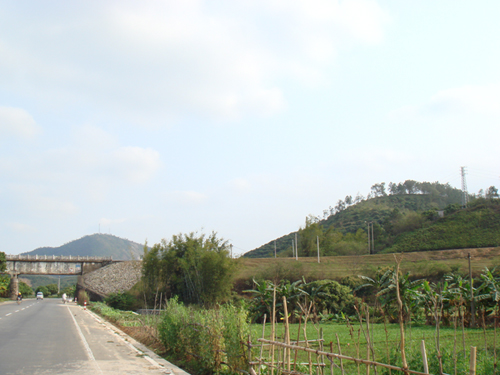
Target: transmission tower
(465, 194)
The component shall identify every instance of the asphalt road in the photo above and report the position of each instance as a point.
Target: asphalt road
(49, 337)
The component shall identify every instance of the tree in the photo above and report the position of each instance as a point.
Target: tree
(42, 289)
(3, 262)
(308, 236)
(25, 289)
(52, 289)
(4, 285)
(378, 190)
(411, 186)
(491, 193)
(195, 267)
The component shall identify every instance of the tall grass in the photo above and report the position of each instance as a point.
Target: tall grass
(209, 341)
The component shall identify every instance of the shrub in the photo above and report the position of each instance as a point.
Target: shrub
(206, 338)
(83, 297)
(121, 301)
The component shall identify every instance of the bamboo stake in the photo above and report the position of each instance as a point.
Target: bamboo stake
(455, 317)
(357, 351)
(369, 342)
(340, 352)
(272, 329)
(388, 357)
(331, 359)
(249, 351)
(262, 344)
(463, 325)
(424, 356)
(472, 365)
(298, 340)
(495, 342)
(287, 335)
(401, 324)
(321, 349)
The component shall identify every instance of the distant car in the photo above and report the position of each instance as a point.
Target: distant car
(39, 295)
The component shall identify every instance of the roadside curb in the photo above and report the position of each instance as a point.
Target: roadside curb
(142, 349)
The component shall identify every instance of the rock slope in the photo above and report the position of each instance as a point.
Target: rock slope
(114, 278)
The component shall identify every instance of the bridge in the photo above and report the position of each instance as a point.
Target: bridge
(50, 265)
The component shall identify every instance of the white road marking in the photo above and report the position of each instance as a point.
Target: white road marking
(16, 311)
(8, 314)
(85, 344)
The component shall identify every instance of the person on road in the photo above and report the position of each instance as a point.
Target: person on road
(19, 297)
(64, 297)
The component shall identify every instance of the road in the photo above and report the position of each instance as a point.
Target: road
(49, 337)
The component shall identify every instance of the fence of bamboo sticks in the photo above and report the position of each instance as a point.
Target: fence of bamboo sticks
(279, 359)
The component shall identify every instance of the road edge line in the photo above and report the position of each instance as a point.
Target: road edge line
(85, 343)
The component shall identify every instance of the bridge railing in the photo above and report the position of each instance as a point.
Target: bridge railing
(55, 258)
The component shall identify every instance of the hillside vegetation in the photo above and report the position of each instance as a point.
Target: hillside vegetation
(406, 218)
(102, 245)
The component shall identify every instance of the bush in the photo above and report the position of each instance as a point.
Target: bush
(25, 289)
(206, 339)
(121, 301)
(83, 297)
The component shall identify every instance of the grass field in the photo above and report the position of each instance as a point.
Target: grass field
(420, 264)
(455, 347)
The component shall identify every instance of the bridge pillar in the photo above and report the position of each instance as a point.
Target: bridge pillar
(14, 286)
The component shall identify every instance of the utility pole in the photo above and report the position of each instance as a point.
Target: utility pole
(317, 242)
(293, 249)
(296, 248)
(465, 194)
(371, 238)
(472, 307)
(373, 242)
(369, 242)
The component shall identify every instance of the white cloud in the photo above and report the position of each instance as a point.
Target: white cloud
(135, 164)
(153, 60)
(50, 203)
(465, 100)
(21, 228)
(186, 197)
(241, 185)
(107, 222)
(17, 122)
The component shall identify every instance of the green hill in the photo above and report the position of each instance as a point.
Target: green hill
(103, 245)
(476, 226)
(407, 218)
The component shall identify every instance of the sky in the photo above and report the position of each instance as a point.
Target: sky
(146, 119)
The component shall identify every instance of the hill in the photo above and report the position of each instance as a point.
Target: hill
(408, 218)
(103, 245)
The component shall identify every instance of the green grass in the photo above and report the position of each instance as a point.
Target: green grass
(353, 343)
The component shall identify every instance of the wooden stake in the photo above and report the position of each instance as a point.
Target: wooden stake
(401, 323)
(424, 356)
(287, 336)
(298, 339)
(272, 329)
(340, 352)
(472, 365)
(331, 359)
(262, 344)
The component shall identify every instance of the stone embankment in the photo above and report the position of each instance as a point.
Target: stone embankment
(114, 278)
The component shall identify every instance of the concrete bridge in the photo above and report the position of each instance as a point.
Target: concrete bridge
(50, 265)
